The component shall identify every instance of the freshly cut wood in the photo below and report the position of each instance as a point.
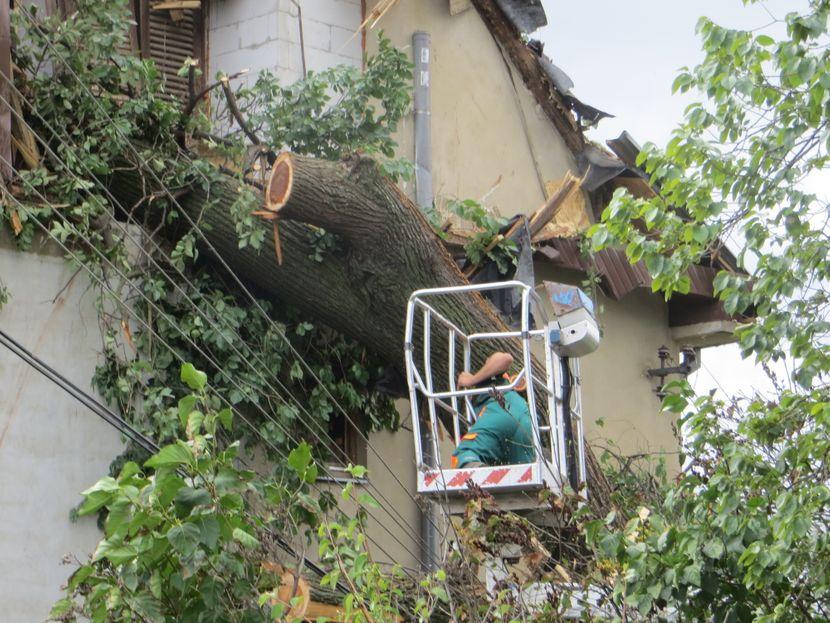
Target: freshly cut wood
(545, 214)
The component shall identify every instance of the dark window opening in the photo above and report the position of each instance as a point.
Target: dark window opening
(348, 445)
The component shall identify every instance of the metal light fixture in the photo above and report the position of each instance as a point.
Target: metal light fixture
(689, 362)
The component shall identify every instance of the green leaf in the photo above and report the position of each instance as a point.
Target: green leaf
(114, 551)
(184, 538)
(226, 417)
(713, 548)
(186, 405)
(62, 608)
(147, 606)
(195, 379)
(81, 574)
(194, 424)
(300, 458)
(247, 540)
(173, 455)
(187, 498)
(208, 531)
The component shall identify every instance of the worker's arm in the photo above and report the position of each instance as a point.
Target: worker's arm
(496, 364)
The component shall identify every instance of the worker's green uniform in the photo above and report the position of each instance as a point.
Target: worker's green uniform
(500, 435)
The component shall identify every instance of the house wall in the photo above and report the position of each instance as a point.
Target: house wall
(488, 139)
(622, 412)
(261, 36)
(51, 447)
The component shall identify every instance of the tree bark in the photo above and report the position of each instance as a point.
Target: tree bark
(386, 250)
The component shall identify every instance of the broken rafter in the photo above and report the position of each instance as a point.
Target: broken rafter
(537, 221)
(176, 5)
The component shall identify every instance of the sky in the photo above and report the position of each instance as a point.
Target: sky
(622, 58)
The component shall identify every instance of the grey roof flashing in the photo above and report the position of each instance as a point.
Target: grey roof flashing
(526, 15)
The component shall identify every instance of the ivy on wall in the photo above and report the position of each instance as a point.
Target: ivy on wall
(95, 107)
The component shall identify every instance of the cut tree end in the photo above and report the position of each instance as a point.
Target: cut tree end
(279, 184)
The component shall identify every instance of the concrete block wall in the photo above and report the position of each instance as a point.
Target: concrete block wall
(264, 35)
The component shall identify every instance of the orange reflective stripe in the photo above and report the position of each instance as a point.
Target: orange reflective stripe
(470, 436)
(480, 413)
(453, 462)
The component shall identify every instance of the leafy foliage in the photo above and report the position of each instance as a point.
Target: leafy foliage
(190, 535)
(743, 534)
(334, 112)
(485, 244)
(152, 318)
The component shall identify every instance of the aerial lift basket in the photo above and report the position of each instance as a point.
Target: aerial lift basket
(514, 486)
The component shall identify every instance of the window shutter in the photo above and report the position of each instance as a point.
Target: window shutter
(170, 31)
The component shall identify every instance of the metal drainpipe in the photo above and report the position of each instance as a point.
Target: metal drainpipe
(423, 133)
(423, 195)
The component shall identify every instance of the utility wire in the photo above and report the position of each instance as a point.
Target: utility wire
(111, 418)
(309, 420)
(173, 351)
(222, 261)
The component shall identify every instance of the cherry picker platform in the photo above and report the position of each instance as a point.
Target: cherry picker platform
(553, 394)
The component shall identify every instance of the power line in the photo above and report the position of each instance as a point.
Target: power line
(178, 356)
(221, 260)
(196, 307)
(108, 416)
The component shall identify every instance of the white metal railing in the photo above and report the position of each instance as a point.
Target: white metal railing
(546, 411)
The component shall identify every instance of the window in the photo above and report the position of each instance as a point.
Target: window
(169, 32)
(349, 446)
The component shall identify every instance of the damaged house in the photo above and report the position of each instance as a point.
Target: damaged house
(494, 120)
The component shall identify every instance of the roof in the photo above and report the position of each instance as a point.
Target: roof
(526, 15)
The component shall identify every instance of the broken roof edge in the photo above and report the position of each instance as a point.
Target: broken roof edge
(526, 15)
(509, 39)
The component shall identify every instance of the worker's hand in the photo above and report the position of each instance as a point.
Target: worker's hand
(466, 379)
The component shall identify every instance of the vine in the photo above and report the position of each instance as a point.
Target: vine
(90, 111)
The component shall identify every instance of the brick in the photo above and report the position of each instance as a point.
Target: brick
(227, 12)
(333, 12)
(224, 40)
(319, 60)
(316, 34)
(254, 32)
(346, 43)
(266, 57)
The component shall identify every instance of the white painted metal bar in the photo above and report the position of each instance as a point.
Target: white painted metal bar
(501, 389)
(440, 318)
(413, 394)
(454, 397)
(433, 419)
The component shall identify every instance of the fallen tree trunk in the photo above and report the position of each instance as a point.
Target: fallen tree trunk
(387, 249)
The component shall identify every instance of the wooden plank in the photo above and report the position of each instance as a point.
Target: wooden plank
(317, 609)
(5, 78)
(176, 5)
(144, 28)
(459, 6)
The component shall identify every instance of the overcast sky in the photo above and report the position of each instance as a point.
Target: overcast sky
(622, 58)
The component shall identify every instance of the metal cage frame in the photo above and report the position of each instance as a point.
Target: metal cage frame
(433, 478)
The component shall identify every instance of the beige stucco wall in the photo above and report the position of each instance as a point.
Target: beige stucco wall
(622, 412)
(480, 138)
(493, 143)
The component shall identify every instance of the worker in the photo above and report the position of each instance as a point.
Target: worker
(502, 433)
